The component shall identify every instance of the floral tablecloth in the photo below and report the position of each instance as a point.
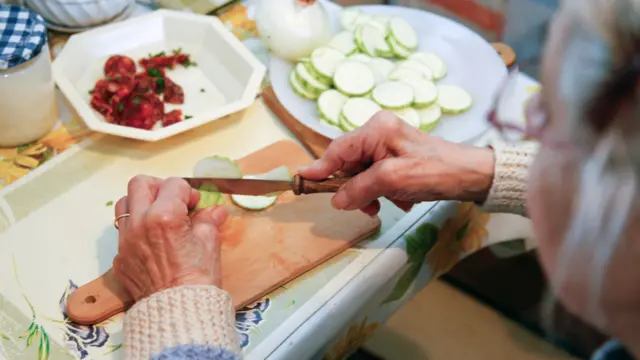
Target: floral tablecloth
(56, 208)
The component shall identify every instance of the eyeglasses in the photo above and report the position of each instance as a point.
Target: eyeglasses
(508, 102)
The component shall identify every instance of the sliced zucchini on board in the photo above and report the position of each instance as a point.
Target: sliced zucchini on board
(429, 117)
(357, 111)
(218, 167)
(381, 67)
(308, 81)
(348, 18)
(344, 42)
(403, 33)
(281, 173)
(325, 60)
(393, 95)
(299, 89)
(255, 203)
(208, 198)
(425, 92)
(433, 61)
(360, 57)
(426, 71)
(214, 166)
(401, 74)
(330, 104)
(410, 116)
(354, 78)
(453, 99)
(397, 49)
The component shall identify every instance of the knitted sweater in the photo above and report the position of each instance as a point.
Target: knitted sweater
(198, 322)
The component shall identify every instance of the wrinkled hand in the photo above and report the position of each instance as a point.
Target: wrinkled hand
(160, 245)
(392, 159)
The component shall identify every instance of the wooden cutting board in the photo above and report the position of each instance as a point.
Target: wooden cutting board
(260, 250)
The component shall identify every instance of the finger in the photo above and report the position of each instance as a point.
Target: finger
(215, 216)
(405, 206)
(121, 208)
(176, 194)
(345, 149)
(364, 188)
(141, 193)
(372, 209)
(206, 222)
(194, 198)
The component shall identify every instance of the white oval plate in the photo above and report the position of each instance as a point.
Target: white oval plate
(472, 61)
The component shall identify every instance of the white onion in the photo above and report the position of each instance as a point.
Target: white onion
(292, 29)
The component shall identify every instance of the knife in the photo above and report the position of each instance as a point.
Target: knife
(257, 187)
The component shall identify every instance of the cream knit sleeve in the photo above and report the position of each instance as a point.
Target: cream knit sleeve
(512, 162)
(184, 315)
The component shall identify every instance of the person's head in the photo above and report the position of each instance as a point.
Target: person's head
(584, 185)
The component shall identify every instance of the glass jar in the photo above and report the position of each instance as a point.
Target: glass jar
(28, 108)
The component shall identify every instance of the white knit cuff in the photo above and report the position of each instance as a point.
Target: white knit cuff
(185, 315)
(508, 191)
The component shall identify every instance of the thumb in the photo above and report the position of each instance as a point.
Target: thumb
(206, 222)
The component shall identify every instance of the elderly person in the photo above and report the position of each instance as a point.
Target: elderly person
(581, 193)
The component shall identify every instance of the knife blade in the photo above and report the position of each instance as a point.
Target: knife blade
(258, 187)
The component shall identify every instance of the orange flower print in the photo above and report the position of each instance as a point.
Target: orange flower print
(18, 162)
(462, 233)
(355, 337)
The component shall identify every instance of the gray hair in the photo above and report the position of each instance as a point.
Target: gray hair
(598, 83)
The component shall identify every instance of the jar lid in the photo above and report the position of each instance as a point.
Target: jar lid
(22, 35)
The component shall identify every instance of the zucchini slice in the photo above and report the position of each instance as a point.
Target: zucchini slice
(393, 95)
(357, 111)
(454, 99)
(354, 78)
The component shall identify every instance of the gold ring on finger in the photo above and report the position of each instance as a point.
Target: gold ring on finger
(115, 222)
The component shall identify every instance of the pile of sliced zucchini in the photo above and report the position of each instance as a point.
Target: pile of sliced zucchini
(373, 64)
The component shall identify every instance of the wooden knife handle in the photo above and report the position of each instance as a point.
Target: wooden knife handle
(304, 186)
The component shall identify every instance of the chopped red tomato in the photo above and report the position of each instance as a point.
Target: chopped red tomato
(119, 64)
(172, 117)
(173, 93)
(137, 99)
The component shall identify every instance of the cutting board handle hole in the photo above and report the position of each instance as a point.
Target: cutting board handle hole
(90, 299)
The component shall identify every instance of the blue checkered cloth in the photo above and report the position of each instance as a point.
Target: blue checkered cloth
(22, 35)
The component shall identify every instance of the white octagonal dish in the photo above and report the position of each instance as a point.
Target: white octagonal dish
(227, 77)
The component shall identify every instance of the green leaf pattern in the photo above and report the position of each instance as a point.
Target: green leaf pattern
(418, 244)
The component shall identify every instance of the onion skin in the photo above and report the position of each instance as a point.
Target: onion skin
(292, 29)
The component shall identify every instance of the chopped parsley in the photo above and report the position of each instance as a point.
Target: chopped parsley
(161, 53)
(136, 100)
(109, 203)
(92, 91)
(118, 77)
(120, 107)
(189, 63)
(160, 83)
(202, 90)
(154, 72)
(187, 117)
(177, 51)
